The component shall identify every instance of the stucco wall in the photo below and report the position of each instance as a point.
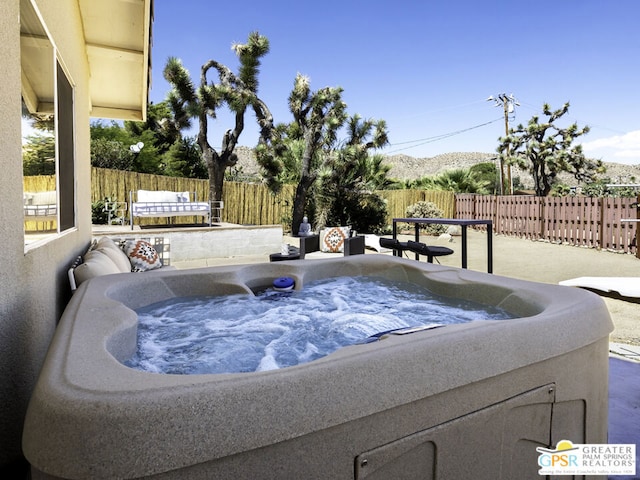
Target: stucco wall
(33, 285)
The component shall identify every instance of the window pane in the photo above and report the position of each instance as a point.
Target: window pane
(66, 164)
(38, 136)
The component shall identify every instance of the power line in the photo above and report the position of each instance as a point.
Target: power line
(424, 141)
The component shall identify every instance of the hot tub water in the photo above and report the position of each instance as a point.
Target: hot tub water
(245, 333)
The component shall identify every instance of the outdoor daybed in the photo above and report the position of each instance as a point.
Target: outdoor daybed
(168, 204)
(40, 206)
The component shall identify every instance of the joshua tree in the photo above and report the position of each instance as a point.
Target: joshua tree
(238, 92)
(160, 122)
(545, 150)
(317, 118)
(307, 149)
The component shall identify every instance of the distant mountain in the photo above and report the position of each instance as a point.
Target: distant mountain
(405, 167)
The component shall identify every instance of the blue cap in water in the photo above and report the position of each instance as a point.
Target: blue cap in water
(283, 283)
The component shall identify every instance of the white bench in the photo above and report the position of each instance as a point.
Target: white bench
(40, 206)
(168, 204)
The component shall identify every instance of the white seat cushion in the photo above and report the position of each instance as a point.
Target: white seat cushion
(115, 253)
(158, 196)
(95, 264)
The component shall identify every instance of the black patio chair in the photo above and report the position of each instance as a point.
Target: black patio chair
(394, 244)
(429, 251)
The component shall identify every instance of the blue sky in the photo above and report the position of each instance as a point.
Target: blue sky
(427, 67)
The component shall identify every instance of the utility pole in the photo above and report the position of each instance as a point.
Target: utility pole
(508, 103)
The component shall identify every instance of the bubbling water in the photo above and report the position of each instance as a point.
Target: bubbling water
(246, 333)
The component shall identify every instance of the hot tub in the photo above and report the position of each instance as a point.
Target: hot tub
(463, 401)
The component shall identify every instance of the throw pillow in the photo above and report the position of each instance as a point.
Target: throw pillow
(142, 255)
(332, 239)
(183, 197)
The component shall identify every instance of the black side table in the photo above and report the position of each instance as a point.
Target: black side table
(294, 254)
(278, 257)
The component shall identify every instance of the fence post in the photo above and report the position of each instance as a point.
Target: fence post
(542, 216)
(601, 227)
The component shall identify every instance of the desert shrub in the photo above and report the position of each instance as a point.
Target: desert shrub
(371, 215)
(427, 210)
(364, 211)
(100, 211)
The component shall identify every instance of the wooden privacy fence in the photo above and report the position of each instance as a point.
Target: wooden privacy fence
(582, 221)
(116, 185)
(244, 203)
(254, 204)
(399, 200)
